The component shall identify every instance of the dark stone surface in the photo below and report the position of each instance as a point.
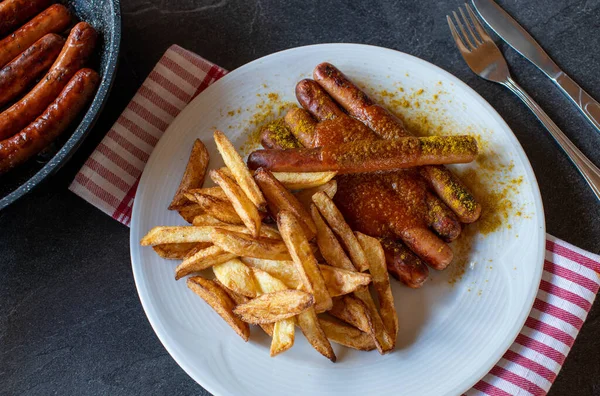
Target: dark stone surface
(70, 318)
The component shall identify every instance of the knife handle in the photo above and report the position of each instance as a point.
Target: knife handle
(588, 170)
(586, 104)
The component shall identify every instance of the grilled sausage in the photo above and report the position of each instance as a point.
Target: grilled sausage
(48, 126)
(403, 264)
(13, 13)
(301, 124)
(23, 70)
(54, 19)
(75, 53)
(388, 126)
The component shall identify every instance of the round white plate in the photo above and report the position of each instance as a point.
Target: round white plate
(451, 334)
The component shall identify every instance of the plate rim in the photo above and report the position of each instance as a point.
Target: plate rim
(212, 386)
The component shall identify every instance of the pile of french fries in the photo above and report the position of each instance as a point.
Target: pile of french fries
(310, 270)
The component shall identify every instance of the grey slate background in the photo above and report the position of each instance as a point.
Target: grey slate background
(70, 318)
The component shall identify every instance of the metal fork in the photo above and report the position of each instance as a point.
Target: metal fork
(486, 60)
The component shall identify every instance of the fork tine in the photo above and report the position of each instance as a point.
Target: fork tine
(468, 24)
(459, 43)
(483, 33)
(462, 29)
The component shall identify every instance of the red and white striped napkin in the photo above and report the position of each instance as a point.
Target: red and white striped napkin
(109, 179)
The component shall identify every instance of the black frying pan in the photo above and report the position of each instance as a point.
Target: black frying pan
(105, 16)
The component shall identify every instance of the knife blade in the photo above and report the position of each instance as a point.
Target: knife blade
(510, 31)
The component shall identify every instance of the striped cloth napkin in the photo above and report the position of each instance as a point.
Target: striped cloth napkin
(109, 179)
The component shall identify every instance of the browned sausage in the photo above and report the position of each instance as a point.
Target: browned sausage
(23, 70)
(312, 97)
(369, 156)
(54, 19)
(75, 53)
(443, 221)
(403, 264)
(276, 135)
(13, 13)
(47, 127)
(301, 124)
(388, 126)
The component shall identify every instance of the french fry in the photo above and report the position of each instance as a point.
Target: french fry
(194, 173)
(282, 270)
(336, 221)
(303, 259)
(216, 191)
(381, 338)
(340, 281)
(220, 301)
(238, 168)
(245, 245)
(238, 277)
(239, 299)
(199, 246)
(303, 180)
(202, 260)
(190, 211)
(274, 307)
(240, 201)
(206, 220)
(329, 246)
(305, 196)
(218, 208)
(173, 251)
(284, 330)
(279, 198)
(346, 335)
(352, 310)
(184, 234)
(381, 283)
(311, 328)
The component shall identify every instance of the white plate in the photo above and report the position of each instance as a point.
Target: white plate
(450, 334)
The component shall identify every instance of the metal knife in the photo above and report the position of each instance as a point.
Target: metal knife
(511, 32)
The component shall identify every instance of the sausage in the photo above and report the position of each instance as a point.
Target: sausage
(369, 156)
(313, 98)
(13, 13)
(403, 265)
(23, 70)
(75, 53)
(427, 246)
(276, 135)
(301, 124)
(388, 126)
(54, 19)
(48, 126)
(443, 221)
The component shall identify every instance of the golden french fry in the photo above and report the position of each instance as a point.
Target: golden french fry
(216, 191)
(242, 205)
(336, 221)
(303, 180)
(202, 260)
(311, 328)
(303, 259)
(282, 270)
(329, 246)
(194, 173)
(237, 276)
(381, 282)
(218, 208)
(346, 335)
(283, 336)
(245, 245)
(173, 251)
(352, 310)
(381, 338)
(279, 198)
(340, 281)
(305, 196)
(274, 307)
(220, 301)
(239, 299)
(238, 168)
(184, 234)
(190, 211)
(206, 220)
